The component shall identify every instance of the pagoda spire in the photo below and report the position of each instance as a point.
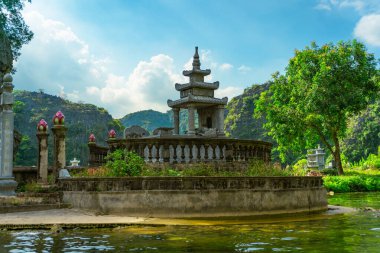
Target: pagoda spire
(196, 62)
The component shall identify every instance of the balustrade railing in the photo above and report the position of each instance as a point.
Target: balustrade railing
(186, 149)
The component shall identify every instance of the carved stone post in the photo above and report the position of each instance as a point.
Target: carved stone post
(7, 182)
(59, 132)
(191, 126)
(42, 162)
(220, 120)
(176, 120)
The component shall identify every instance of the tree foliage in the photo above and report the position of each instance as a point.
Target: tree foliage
(13, 25)
(321, 88)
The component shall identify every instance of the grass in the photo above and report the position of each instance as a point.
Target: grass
(354, 181)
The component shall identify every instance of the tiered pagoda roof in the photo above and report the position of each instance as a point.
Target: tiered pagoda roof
(197, 91)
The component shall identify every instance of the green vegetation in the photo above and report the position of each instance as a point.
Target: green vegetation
(239, 123)
(13, 26)
(312, 102)
(147, 119)
(363, 133)
(122, 163)
(150, 120)
(81, 120)
(354, 181)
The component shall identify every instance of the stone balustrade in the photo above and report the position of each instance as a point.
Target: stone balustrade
(180, 149)
(97, 154)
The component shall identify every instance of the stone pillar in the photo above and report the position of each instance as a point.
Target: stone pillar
(191, 130)
(59, 132)
(220, 120)
(7, 182)
(176, 120)
(42, 162)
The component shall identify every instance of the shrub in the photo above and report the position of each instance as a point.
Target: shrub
(121, 164)
(353, 181)
(33, 187)
(329, 172)
(260, 168)
(300, 168)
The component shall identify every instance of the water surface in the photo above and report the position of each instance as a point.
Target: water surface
(353, 232)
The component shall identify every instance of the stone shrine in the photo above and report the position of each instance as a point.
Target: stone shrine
(205, 143)
(198, 96)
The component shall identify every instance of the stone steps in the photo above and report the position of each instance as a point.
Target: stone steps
(31, 201)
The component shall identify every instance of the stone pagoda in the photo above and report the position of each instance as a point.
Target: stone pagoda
(197, 96)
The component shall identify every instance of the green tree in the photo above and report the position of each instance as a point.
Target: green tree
(321, 88)
(13, 26)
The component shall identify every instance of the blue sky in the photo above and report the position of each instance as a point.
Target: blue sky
(126, 55)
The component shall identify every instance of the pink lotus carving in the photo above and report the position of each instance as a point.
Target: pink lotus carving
(111, 134)
(42, 126)
(92, 138)
(59, 118)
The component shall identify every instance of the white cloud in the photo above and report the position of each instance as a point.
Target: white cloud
(357, 5)
(368, 29)
(244, 69)
(60, 62)
(225, 66)
(57, 60)
(323, 6)
(361, 6)
(149, 85)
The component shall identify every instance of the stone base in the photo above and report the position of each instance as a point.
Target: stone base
(7, 186)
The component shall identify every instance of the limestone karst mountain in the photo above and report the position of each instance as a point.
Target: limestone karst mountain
(81, 120)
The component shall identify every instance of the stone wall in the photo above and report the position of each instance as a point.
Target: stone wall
(195, 196)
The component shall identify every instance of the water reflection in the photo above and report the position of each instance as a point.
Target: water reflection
(354, 232)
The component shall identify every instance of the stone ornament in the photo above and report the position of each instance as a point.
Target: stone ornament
(59, 119)
(42, 126)
(92, 138)
(135, 132)
(112, 134)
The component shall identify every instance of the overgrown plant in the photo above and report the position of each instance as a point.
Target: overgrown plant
(121, 163)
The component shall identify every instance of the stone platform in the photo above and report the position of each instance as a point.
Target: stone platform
(195, 196)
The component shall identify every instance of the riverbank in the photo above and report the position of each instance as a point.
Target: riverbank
(75, 218)
(353, 181)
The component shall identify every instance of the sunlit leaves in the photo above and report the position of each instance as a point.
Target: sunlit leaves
(321, 88)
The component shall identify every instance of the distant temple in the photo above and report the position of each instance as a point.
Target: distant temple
(206, 143)
(199, 95)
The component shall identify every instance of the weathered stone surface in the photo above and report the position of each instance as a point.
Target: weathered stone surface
(7, 183)
(7, 186)
(135, 132)
(42, 162)
(64, 173)
(196, 196)
(59, 132)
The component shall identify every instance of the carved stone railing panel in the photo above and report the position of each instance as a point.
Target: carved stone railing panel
(189, 149)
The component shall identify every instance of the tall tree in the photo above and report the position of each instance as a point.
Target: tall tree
(321, 88)
(12, 25)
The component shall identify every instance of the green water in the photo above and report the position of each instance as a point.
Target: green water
(353, 232)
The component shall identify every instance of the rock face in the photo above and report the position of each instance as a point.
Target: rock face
(147, 119)
(135, 132)
(239, 122)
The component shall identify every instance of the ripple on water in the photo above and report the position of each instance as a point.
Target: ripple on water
(250, 247)
(375, 229)
(288, 238)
